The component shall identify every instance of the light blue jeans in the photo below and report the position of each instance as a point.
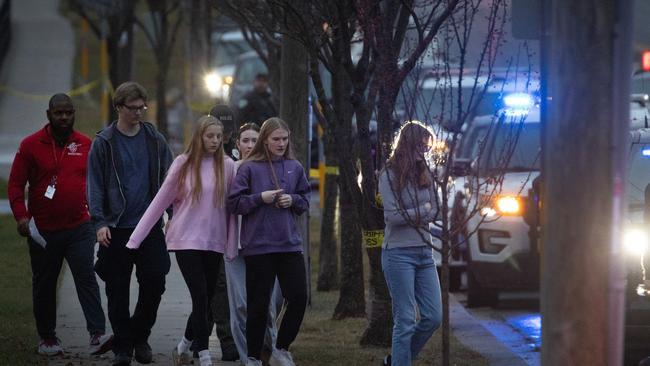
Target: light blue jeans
(413, 282)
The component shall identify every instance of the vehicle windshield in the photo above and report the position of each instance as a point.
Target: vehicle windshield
(435, 105)
(226, 51)
(509, 147)
(638, 175)
(437, 99)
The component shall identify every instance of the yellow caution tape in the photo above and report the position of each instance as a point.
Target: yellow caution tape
(74, 92)
(373, 238)
(331, 170)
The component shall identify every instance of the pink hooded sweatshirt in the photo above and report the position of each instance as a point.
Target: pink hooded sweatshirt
(195, 225)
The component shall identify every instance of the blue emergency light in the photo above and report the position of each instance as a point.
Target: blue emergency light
(645, 151)
(518, 101)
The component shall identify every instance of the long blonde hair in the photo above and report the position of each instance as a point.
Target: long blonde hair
(260, 152)
(195, 153)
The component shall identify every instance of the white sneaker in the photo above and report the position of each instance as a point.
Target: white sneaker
(100, 343)
(50, 347)
(250, 361)
(281, 357)
(204, 358)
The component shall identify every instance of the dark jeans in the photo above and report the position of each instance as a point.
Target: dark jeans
(261, 271)
(200, 269)
(77, 246)
(114, 266)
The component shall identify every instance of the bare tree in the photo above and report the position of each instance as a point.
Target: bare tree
(112, 21)
(197, 45)
(449, 106)
(165, 21)
(268, 19)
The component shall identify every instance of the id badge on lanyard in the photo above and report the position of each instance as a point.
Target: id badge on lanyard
(51, 188)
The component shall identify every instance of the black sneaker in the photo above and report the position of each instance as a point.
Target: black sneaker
(122, 359)
(387, 360)
(229, 353)
(143, 353)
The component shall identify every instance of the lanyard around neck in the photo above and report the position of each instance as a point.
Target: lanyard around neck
(57, 160)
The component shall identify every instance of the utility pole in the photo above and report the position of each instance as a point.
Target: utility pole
(589, 70)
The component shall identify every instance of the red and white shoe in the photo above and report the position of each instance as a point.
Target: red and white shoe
(50, 347)
(100, 343)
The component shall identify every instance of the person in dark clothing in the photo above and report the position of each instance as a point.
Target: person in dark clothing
(256, 106)
(52, 163)
(127, 165)
(225, 114)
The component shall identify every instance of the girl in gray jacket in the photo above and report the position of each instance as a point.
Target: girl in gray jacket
(409, 197)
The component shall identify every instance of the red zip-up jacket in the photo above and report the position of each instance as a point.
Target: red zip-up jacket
(37, 161)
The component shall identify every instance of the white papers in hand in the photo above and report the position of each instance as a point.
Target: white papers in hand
(35, 235)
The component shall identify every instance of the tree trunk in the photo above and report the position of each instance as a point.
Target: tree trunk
(198, 47)
(352, 302)
(380, 321)
(351, 295)
(161, 103)
(119, 43)
(293, 110)
(294, 101)
(328, 276)
(584, 182)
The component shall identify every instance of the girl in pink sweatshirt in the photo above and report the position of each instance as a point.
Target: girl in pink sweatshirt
(201, 231)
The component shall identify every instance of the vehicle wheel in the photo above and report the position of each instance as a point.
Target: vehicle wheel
(455, 276)
(478, 296)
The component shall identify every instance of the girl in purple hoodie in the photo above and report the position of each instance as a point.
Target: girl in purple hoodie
(269, 191)
(201, 231)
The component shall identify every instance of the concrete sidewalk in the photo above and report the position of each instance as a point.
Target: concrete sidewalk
(170, 324)
(39, 64)
(473, 335)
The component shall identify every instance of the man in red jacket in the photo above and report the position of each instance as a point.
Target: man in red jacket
(56, 222)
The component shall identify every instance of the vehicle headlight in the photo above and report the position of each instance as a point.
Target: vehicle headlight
(500, 205)
(508, 205)
(228, 80)
(635, 241)
(213, 82)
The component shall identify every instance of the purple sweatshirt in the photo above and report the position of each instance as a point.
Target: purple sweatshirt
(266, 228)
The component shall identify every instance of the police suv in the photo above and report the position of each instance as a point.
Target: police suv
(502, 153)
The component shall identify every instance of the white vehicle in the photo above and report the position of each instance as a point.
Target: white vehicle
(502, 251)
(226, 48)
(501, 248)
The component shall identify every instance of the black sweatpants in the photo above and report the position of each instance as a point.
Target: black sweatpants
(261, 272)
(114, 265)
(200, 269)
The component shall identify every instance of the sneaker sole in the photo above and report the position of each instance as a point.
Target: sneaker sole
(56, 354)
(179, 360)
(107, 346)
